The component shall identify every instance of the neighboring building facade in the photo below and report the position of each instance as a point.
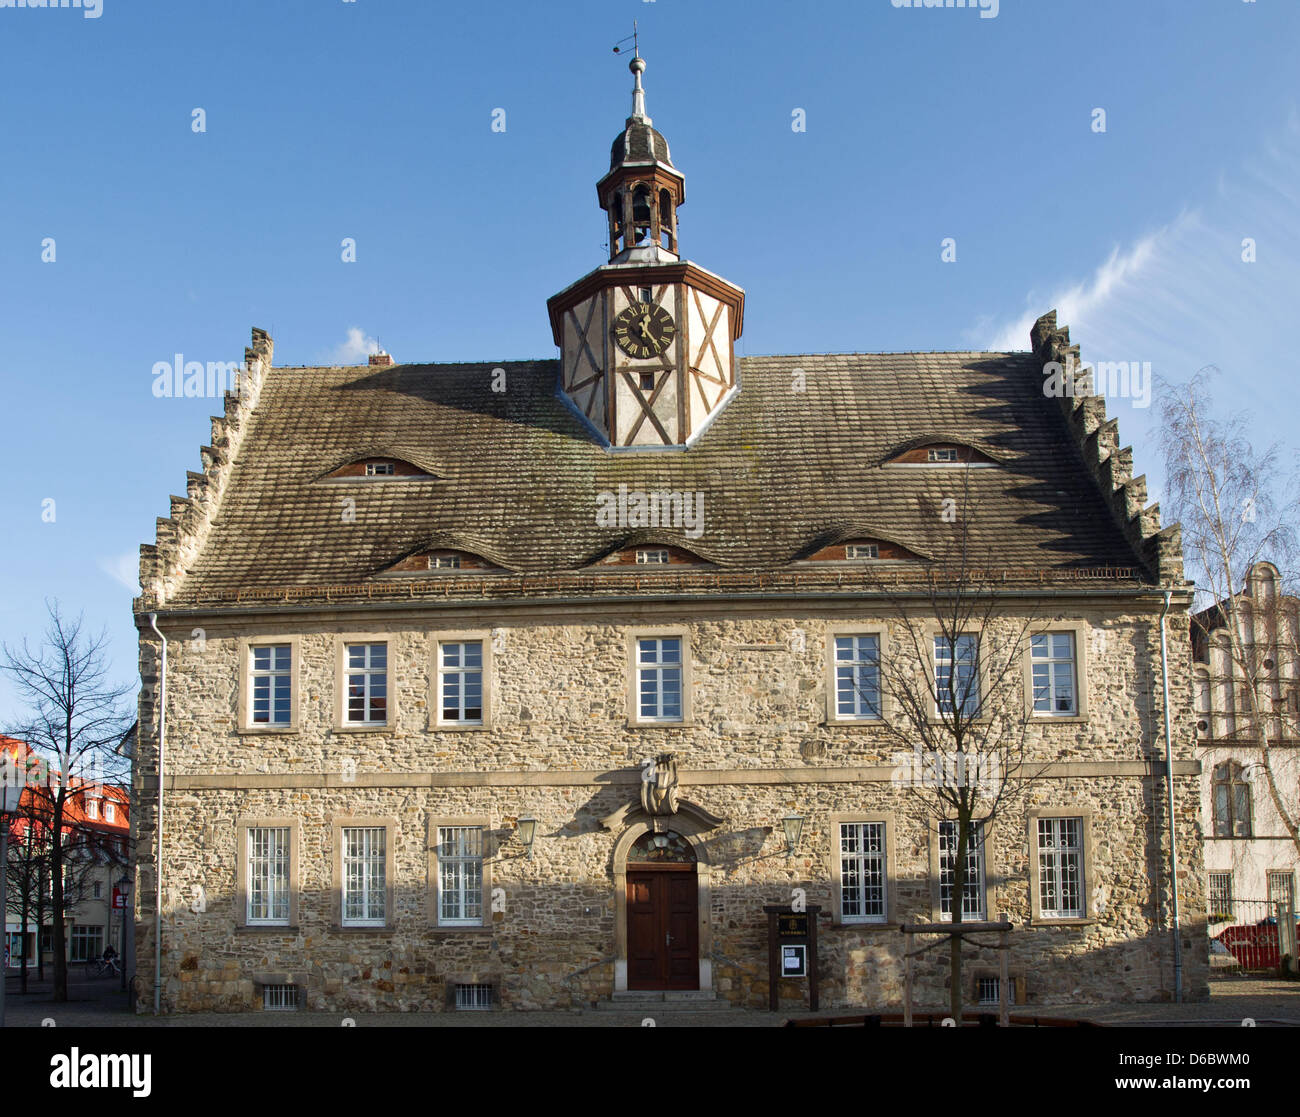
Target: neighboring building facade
(1250, 856)
(430, 628)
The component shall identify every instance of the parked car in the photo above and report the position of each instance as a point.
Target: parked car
(1255, 945)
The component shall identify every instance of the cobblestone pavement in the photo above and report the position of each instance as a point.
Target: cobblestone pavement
(101, 1003)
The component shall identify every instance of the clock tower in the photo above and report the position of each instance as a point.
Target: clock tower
(646, 340)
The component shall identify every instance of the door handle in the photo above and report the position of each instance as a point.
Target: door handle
(668, 939)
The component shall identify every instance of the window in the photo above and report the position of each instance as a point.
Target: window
(1232, 806)
(365, 888)
(110, 812)
(460, 875)
(280, 998)
(941, 454)
(444, 560)
(1281, 890)
(85, 943)
(268, 876)
(659, 678)
(380, 469)
(460, 682)
(92, 808)
(647, 381)
(956, 674)
(647, 296)
(862, 550)
(972, 906)
(988, 990)
(646, 557)
(367, 684)
(97, 891)
(476, 996)
(1060, 868)
(1052, 663)
(271, 679)
(857, 676)
(1220, 897)
(862, 872)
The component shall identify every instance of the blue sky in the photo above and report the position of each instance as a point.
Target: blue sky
(372, 119)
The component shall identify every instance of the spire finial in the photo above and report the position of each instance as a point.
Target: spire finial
(637, 66)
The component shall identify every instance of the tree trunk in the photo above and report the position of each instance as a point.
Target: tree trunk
(22, 930)
(40, 922)
(956, 905)
(56, 875)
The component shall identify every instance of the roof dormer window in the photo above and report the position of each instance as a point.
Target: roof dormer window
(444, 560)
(940, 454)
(92, 808)
(652, 556)
(862, 551)
(380, 469)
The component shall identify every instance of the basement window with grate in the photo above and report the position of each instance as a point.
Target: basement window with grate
(476, 997)
(280, 998)
(989, 990)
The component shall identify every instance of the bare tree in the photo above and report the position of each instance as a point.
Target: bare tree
(953, 682)
(1236, 512)
(75, 717)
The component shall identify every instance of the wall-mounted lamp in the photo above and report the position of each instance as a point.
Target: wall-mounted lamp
(527, 829)
(793, 824)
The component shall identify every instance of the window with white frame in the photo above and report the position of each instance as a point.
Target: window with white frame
(110, 811)
(956, 674)
(460, 875)
(268, 875)
(444, 560)
(92, 808)
(862, 550)
(1281, 890)
(270, 679)
(1053, 665)
(97, 891)
(1060, 868)
(85, 943)
(460, 681)
(972, 906)
(367, 684)
(659, 678)
(941, 454)
(857, 676)
(380, 469)
(862, 872)
(651, 557)
(365, 889)
(1220, 897)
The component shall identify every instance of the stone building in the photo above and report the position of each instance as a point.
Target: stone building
(497, 685)
(1250, 856)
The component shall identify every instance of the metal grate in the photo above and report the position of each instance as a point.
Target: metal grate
(473, 997)
(989, 990)
(280, 998)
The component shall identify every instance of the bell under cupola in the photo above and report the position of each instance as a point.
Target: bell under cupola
(647, 340)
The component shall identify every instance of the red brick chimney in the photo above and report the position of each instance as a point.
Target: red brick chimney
(380, 359)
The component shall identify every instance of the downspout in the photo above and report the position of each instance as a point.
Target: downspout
(162, 741)
(1169, 792)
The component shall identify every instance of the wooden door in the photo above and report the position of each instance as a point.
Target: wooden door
(663, 933)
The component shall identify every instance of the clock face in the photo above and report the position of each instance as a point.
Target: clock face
(644, 330)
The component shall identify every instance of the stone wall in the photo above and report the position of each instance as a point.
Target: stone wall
(560, 749)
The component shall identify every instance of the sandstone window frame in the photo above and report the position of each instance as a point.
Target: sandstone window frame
(1081, 631)
(880, 631)
(843, 818)
(633, 677)
(986, 868)
(244, 721)
(1088, 884)
(459, 636)
(341, 724)
(243, 825)
(351, 822)
(433, 905)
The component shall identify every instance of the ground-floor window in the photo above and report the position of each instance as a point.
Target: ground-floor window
(460, 875)
(1220, 897)
(1281, 889)
(972, 906)
(1060, 868)
(85, 943)
(862, 872)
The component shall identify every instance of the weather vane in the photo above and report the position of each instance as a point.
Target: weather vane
(636, 53)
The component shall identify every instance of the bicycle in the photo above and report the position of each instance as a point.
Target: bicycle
(99, 967)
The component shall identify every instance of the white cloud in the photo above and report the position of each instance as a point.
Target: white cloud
(124, 569)
(356, 349)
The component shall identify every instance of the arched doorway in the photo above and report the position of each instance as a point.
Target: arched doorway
(663, 913)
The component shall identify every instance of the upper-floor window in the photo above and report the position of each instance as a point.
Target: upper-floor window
(956, 674)
(271, 678)
(973, 892)
(110, 812)
(651, 556)
(1052, 656)
(367, 684)
(941, 454)
(659, 678)
(380, 469)
(1232, 805)
(460, 681)
(444, 560)
(862, 551)
(92, 808)
(862, 872)
(857, 676)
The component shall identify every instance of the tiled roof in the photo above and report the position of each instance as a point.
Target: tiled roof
(517, 473)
